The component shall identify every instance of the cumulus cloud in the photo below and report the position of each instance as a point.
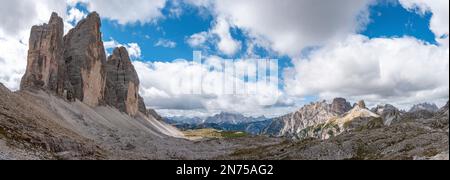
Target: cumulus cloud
(288, 26)
(75, 15)
(198, 39)
(440, 20)
(173, 85)
(226, 43)
(399, 70)
(13, 61)
(165, 43)
(127, 12)
(17, 18)
(134, 50)
(219, 37)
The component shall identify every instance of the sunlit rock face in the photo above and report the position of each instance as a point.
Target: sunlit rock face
(85, 59)
(310, 115)
(74, 67)
(45, 56)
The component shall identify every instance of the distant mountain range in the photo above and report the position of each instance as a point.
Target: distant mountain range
(76, 103)
(424, 107)
(223, 121)
(317, 120)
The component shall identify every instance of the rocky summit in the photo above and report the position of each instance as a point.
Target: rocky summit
(310, 115)
(122, 82)
(45, 69)
(85, 60)
(74, 66)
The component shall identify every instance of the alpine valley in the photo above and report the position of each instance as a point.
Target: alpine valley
(75, 102)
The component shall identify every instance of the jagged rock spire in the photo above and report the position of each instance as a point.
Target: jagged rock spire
(75, 67)
(340, 106)
(85, 59)
(45, 56)
(122, 82)
(361, 104)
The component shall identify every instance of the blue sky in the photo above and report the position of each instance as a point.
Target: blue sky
(390, 19)
(387, 19)
(382, 51)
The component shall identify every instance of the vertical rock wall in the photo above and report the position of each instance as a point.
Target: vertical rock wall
(75, 67)
(45, 56)
(122, 82)
(85, 59)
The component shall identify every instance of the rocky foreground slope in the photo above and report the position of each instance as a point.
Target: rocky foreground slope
(410, 138)
(38, 125)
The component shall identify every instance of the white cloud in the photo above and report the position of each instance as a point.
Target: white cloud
(13, 61)
(168, 86)
(127, 12)
(401, 71)
(75, 15)
(17, 18)
(219, 37)
(287, 26)
(226, 43)
(165, 43)
(134, 50)
(440, 20)
(198, 40)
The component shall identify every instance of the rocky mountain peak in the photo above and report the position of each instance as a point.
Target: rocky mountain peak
(424, 107)
(85, 59)
(361, 104)
(340, 105)
(389, 113)
(74, 66)
(443, 112)
(231, 118)
(45, 56)
(122, 82)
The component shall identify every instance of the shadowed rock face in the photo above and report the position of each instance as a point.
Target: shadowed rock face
(389, 113)
(45, 57)
(290, 125)
(75, 67)
(424, 107)
(341, 106)
(122, 83)
(85, 58)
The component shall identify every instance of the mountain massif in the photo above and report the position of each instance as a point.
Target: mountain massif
(75, 66)
(75, 102)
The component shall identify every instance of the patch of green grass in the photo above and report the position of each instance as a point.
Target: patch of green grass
(233, 135)
(213, 133)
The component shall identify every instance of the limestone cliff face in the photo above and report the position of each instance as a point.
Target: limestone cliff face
(45, 56)
(122, 83)
(85, 59)
(74, 67)
(310, 115)
(389, 113)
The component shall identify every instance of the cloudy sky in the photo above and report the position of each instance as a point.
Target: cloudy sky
(382, 51)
